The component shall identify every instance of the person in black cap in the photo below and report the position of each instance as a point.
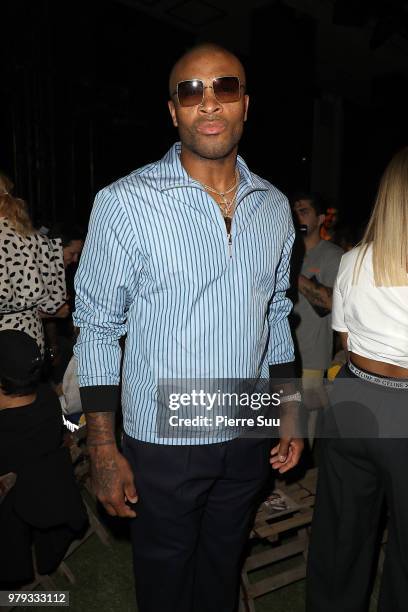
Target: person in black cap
(20, 368)
(39, 499)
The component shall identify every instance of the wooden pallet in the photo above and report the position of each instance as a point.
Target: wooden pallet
(286, 536)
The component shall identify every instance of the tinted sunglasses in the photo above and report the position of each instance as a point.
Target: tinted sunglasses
(226, 89)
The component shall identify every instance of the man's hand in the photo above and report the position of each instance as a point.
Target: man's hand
(111, 474)
(112, 480)
(286, 454)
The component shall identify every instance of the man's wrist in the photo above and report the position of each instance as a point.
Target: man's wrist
(98, 443)
(100, 431)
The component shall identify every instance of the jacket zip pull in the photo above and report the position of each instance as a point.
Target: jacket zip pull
(229, 244)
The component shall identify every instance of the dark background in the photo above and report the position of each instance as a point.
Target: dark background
(83, 93)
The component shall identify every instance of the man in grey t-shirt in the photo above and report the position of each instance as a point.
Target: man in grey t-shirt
(315, 283)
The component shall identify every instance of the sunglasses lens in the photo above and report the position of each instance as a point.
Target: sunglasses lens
(190, 93)
(227, 89)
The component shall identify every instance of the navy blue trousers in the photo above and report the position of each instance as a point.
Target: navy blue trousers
(194, 512)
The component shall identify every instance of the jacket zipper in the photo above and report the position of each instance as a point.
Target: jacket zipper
(229, 235)
(229, 242)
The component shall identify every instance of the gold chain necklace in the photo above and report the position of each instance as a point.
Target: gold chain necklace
(226, 206)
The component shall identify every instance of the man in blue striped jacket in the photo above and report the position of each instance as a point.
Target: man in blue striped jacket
(189, 258)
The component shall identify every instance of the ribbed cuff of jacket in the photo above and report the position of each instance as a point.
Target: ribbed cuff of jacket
(100, 398)
(282, 370)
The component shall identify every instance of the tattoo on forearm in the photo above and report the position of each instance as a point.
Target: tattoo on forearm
(101, 443)
(100, 427)
(105, 470)
(319, 296)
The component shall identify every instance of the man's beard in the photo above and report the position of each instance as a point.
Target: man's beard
(207, 147)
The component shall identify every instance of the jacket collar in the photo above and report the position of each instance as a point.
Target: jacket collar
(172, 175)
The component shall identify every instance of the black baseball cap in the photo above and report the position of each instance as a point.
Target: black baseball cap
(20, 356)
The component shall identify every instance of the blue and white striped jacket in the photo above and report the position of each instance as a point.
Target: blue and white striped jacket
(157, 266)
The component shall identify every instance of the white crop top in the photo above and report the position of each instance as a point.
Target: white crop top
(376, 318)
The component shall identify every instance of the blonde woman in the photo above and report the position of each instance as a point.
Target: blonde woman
(364, 456)
(32, 278)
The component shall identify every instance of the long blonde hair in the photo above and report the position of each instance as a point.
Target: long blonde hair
(14, 208)
(387, 229)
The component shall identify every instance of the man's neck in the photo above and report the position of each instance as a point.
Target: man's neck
(312, 241)
(12, 401)
(217, 173)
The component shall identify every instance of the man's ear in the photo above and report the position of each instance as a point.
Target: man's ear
(173, 114)
(246, 105)
(320, 219)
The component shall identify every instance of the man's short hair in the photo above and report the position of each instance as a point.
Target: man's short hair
(315, 199)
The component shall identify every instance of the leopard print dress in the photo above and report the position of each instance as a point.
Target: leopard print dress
(32, 279)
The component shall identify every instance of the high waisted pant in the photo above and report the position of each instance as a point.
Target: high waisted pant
(360, 465)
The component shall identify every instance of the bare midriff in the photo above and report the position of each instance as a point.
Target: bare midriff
(378, 367)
